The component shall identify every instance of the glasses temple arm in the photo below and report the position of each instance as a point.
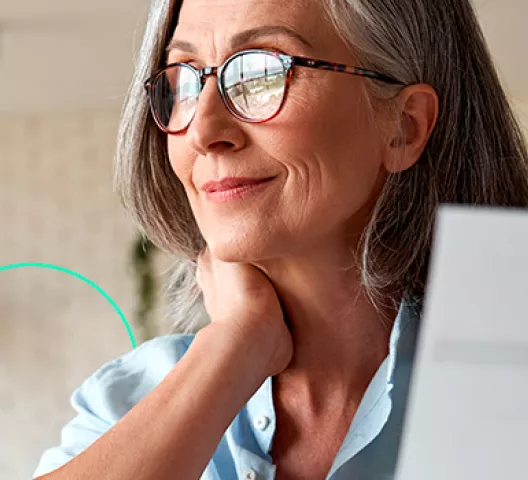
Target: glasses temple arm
(339, 67)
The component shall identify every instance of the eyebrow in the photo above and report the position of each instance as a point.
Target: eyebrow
(243, 37)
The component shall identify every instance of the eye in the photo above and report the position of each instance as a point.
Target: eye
(189, 61)
(268, 47)
(176, 60)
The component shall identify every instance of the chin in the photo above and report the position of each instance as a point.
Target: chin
(232, 252)
(241, 249)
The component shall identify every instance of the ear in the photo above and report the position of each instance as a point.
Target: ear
(417, 113)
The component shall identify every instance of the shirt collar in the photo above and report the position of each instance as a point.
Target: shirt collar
(376, 402)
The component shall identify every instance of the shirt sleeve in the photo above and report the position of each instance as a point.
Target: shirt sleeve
(109, 393)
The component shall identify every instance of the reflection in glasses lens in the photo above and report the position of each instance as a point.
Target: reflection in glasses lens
(253, 84)
(176, 93)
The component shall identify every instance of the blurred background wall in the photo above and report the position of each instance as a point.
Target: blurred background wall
(64, 69)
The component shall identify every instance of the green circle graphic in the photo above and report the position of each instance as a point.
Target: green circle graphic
(85, 280)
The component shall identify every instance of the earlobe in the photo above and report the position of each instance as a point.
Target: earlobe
(418, 112)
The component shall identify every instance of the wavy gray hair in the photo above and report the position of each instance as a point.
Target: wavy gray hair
(476, 153)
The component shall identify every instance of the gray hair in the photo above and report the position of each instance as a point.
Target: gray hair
(476, 154)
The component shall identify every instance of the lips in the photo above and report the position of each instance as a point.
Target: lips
(230, 183)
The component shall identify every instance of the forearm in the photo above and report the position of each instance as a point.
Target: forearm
(174, 431)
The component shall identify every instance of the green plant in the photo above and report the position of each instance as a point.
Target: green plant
(142, 260)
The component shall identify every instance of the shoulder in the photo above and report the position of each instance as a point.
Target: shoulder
(156, 355)
(110, 392)
(119, 384)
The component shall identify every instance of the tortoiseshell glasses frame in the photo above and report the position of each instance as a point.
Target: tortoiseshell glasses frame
(288, 62)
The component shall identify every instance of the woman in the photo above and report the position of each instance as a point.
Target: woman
(302, 194)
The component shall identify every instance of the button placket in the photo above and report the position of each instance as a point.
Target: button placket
(249, 474)
(261, 422)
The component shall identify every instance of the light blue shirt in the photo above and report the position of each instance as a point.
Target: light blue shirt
(369, 451)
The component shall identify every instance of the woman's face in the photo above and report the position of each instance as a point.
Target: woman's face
(324, 149)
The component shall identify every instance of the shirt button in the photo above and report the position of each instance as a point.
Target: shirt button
(261, 422)
(249, 474)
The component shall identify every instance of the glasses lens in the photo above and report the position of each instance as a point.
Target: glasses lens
(175, 97)
(254, 85)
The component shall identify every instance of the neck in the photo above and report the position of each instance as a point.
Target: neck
(339, 338)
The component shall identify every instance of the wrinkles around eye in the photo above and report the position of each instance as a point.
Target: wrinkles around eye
(191, 62)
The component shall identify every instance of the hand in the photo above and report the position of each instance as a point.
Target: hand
(241, 300)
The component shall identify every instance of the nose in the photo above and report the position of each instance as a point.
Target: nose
(213, 128)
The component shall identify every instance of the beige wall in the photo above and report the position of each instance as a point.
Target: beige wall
(56, 206)
(521, 109)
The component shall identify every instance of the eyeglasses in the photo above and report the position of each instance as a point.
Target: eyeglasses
(252, 83)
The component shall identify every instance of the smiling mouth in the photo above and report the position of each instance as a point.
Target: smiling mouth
(228, 192)
(230, 183)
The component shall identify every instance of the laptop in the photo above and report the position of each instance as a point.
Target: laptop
(467, 412)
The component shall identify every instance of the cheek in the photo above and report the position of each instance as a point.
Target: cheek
(331, 116)
(338, 139)
(333, 156)
(180, 160)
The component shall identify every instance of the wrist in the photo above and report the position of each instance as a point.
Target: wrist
(233, 350)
